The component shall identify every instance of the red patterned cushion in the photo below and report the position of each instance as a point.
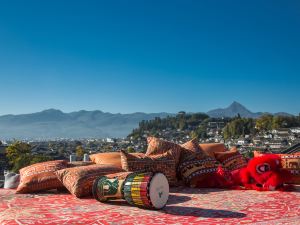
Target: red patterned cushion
(164, 163)
(231, 160)
(79, 180)
(40, 176)
(201, 171)
(291, 162)
(158, 146)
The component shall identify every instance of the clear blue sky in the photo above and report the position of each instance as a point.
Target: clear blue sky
(150, 56)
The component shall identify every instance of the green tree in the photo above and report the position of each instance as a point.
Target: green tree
(130, 150)
(17, 150)
(264, 123)
(19, 156)
(79, 151)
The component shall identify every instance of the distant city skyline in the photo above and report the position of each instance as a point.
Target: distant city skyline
(157, 56)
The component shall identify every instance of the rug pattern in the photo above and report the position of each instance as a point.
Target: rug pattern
(185, 206)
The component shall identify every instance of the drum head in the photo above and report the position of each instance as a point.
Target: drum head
(159, 190)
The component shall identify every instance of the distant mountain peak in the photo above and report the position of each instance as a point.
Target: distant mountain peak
(51, 110)
(234, 109)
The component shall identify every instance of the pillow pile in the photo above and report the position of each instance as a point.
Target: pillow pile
(40, 176)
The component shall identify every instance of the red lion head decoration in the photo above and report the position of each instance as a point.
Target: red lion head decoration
(263, 173)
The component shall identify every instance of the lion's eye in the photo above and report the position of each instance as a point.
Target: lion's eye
(262, 168)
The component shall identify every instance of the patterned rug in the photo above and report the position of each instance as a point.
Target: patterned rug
(185, 206)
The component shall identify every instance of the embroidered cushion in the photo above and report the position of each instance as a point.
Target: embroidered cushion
(231, 160)
(202, 171)
(211, 148)
(79, 180)
(158, 146)
(164, 163)
(197, 169)
(40, 176)
(291, 162)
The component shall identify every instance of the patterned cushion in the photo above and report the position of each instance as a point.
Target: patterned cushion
(158, 146)
(231, 160)
(211, 148)
(164, 163)
(79, 180)
(40, 176)
(201, 171)
(196, 168)
(290, 162)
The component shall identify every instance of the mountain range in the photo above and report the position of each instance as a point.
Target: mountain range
(236, 108)
(53, 123)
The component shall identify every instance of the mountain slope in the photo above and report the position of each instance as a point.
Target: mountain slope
(54, 123)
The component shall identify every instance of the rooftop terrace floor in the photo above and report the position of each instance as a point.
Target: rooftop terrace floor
(185, 206)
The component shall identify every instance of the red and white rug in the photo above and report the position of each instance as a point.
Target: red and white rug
(185, 206)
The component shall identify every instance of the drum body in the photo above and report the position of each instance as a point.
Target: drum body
(147, 190)
(109, 187)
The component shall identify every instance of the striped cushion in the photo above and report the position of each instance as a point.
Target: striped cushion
(200, 171)
(40, 176)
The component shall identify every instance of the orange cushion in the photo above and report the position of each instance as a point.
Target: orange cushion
(79, 163)
(163, 163)
(40, 176)
(112, 158)
(231, 160)
(158, 146)
(79, 180)
(109, 158)
(211, 148)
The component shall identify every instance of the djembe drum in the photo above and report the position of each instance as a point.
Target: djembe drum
(109, 187)
(146, 190)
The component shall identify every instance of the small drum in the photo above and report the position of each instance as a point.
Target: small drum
(148, 190)
(109, 187)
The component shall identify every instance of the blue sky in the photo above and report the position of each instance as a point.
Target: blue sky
(150, 56)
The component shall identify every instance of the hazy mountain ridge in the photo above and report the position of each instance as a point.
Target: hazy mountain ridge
(53, 123)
